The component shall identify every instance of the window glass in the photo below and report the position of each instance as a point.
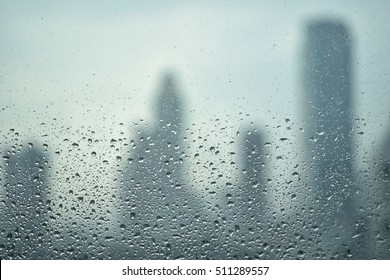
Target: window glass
(194, 130)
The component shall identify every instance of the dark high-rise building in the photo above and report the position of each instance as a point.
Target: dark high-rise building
(253, 210)
(381, 224)
(328, 101)
(252, 189)
(26, 224)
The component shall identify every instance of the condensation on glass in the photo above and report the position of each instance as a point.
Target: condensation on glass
(142, 132)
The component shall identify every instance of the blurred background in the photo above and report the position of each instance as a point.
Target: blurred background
(272, 117)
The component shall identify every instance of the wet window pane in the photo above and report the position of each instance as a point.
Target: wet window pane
(194, 130)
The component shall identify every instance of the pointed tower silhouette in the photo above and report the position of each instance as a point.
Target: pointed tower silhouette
(328, 93)
(169, 111)
(167, 136)
(158, 207)
(26, 204)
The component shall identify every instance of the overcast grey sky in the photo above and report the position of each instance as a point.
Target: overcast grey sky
(71, 67)
(73, 56)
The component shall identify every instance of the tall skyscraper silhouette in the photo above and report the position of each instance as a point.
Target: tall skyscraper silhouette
(252, 208)
(161, 214)
(381, 231)
(252, 188)
(328, 94)
(26, 223)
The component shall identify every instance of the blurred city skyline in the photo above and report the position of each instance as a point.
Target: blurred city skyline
(66, 71)
(86, 98)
